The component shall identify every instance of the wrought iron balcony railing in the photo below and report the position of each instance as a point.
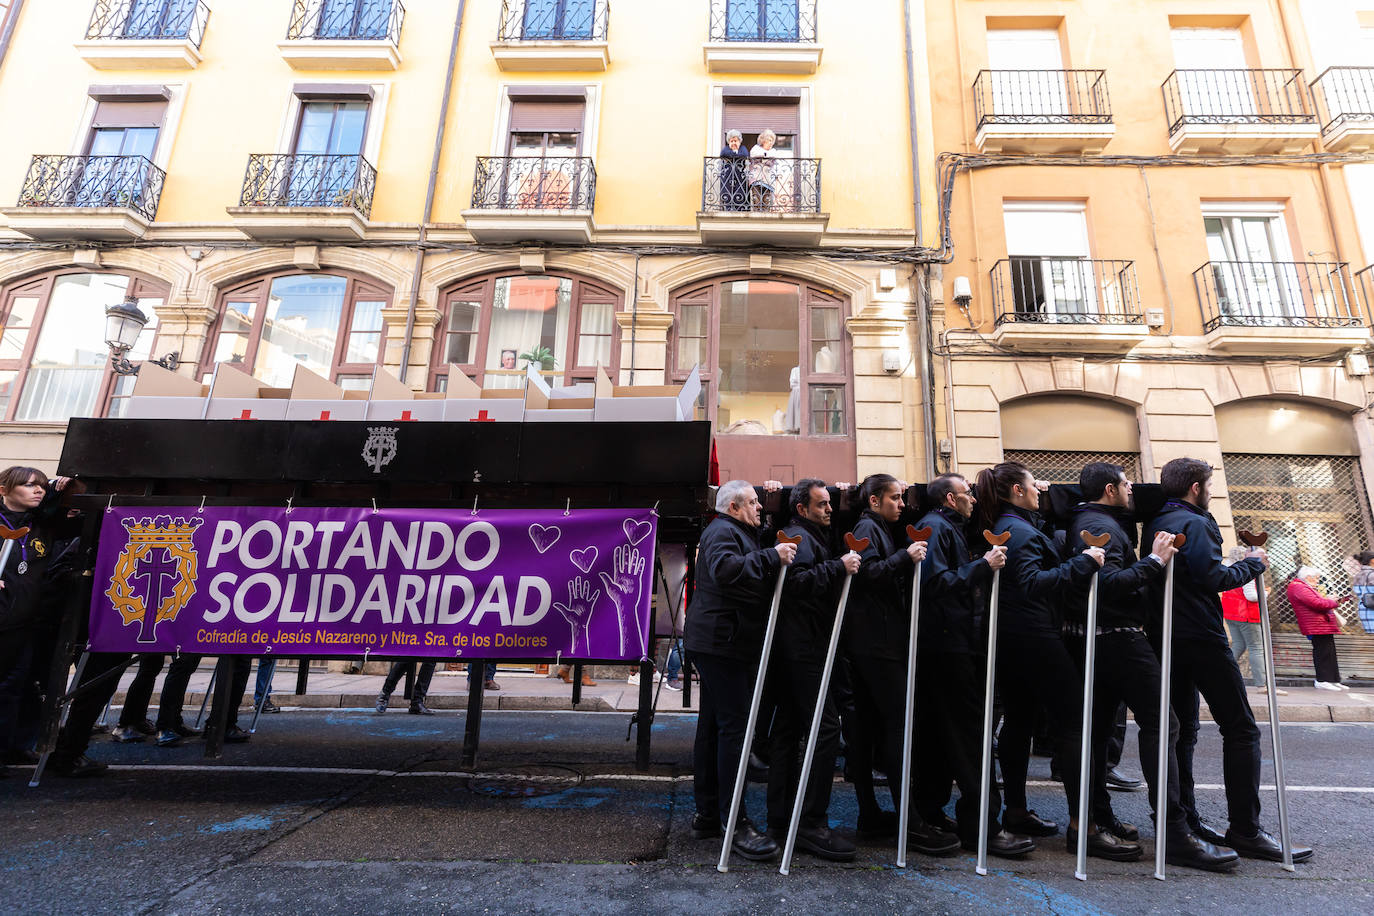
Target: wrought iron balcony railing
(773, 185)
(1065, 291)
(534, 183)
(554, 20)
(148, 20)
(1278, 294)
(130, 182)
(763, 20)
(1041, 97)
(1236, 97)
(1344, 95)
(1364, 284)
(347, 20)
(309, 180)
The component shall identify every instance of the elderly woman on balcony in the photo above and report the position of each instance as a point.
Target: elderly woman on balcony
(761, 184)
(734, 185)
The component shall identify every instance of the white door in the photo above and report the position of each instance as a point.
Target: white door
(1027, 77)
(1051, 270)
(1253, 268)
(1216, 82)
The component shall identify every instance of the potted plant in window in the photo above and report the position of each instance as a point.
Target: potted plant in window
(540, 356)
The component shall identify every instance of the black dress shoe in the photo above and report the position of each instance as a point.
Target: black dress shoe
(21, 757)
(1104, 845)
(1119, 780)
(145, 728)
(1121, 830)
(705, 828)
(1004, 845)
(750, 844)
(931, 841)
(1205, 831)
(79, 767)
(235, 735)
(878, 826)
(184, 730)
(943, 822)
(826, 843)
(1029, 824)
(420, 709)
(168, 738)
(1188, 850)
(1264, 845)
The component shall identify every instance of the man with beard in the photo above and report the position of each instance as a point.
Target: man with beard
(810, 597)
(1126, 668)
(1202, 659)
(950, 672)
(724, 635)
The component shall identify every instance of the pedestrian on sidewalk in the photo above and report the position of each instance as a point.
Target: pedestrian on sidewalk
(1319, 622)
(1240, 609)
(488, 675)
(417, 693)
(1362, 585)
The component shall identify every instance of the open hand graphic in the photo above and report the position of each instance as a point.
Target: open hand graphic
(623, 589)
(578, 611)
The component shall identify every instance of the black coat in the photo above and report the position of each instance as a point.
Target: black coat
(1123, 587)
(878, 619)
(810, 595)
(733, 590)
(1034, 581)
(21, 598)
(734, 185)
(1199, 574)
(954, 588)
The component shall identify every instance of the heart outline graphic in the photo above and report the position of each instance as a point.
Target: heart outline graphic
(584, 559)
(544, 536)
(633, 527)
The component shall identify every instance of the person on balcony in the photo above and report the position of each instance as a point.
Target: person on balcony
(734, 184)
(1319, 622)
(762, 192)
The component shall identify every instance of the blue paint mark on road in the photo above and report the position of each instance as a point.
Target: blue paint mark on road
(571, 799)
(247, 822)
(1039, 896)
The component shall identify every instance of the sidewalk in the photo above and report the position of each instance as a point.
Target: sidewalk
(522, 689)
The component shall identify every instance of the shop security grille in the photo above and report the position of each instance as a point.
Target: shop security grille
(1316, 512)
(1063, 467)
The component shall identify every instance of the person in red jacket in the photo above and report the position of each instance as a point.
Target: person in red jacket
(1318, 621)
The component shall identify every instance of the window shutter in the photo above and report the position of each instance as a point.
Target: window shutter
(129, 114)
(560, 116)
(750, 116)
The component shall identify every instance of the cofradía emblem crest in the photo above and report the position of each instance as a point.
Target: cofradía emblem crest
(380, 447)
(155, 575)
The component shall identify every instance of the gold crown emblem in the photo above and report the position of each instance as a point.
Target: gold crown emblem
(160, 530)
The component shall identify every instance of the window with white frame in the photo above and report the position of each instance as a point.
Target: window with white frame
(1049, 268)
(1251, 259)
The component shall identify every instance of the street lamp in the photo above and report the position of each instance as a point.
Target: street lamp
(124, 321)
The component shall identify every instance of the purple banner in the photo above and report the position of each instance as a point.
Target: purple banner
(429, 583)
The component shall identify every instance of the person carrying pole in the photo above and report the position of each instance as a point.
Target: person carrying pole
(1127, 669)
(1035, 665)
(951, 662)
(875, 638)
(1202, 660)
(724, 638)
(809, 598)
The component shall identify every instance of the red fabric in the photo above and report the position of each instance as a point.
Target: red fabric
(1314, 613)
(1235, 606)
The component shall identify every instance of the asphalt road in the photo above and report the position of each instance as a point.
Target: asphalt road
(357, 813)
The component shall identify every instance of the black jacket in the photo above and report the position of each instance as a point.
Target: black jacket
(878, 619)
(1034, 581)
(1199, 574)
(21, 598)
(1123, 586)
(810, 595)
(733, 590)
(954, 589)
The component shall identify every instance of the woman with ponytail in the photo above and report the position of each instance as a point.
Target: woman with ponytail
(876, 625)
(1034, 668)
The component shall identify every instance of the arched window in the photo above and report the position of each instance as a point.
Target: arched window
(493, 327)
(329, 323)
(54, 362)
(775, 374)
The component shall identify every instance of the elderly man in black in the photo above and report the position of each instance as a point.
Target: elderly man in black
(810, 599)
(950, 671)
(1202, 659)
(724, 636)
(1127, 669)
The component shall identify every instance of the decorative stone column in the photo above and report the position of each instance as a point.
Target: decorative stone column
(644, 343)
(421, 346)
(887, 434)
(183, 325)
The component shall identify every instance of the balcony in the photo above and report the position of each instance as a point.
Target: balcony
(101, 198)
(1042, 111)
(1067, 304)
(1238, 112)
(527, 198)
(297, 196)
(761, 202)
(344, 35)
(131, 35)
(1345, 108)
(762, 36)
(552, 35)
(1280, 308)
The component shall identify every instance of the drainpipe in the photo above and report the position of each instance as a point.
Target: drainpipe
(926, 380)
(429, 192)
(10, 23)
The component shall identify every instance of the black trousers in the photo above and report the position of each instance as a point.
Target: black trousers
(795, 686)
(16, 657)
(1033, 670)
(140, 692)
(173, 700)
(948, 744)
(880, 697)
(727, 686)
(422, 679)
(1127, 674)
(1210, 668)
(1116, 740)
(75, 736)
(1324, 658)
